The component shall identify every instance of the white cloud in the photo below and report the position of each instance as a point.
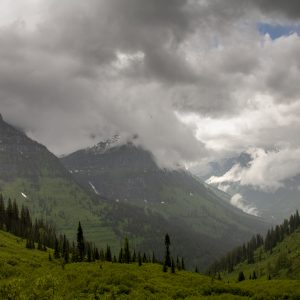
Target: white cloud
(238, 201)
(268, 170)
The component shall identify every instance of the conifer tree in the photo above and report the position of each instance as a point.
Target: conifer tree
(165, 267)
(178, 264)
(254, 275)
(80, 243)
(182, 264)
(96, 254)
(153, 258)
(167, 256)
(108, 254)
(133, 256)
(145, 260)
(2, 212)
(127, 254)
(120, 260)
(139, 259)
(56, 250)
(241, 276)
(172, 265)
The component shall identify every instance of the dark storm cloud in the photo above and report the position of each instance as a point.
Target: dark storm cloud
(94, 31)
(290, 9)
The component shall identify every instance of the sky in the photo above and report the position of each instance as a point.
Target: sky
(193, 81)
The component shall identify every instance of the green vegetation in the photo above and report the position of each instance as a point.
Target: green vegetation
(29, 274)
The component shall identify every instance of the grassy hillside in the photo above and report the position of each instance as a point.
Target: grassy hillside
(28, 274)
(283, 262)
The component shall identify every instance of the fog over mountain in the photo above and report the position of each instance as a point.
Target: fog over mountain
(193, 81)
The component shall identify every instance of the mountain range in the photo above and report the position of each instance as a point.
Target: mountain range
(117, 190)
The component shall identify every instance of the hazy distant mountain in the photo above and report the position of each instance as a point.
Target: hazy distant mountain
(128, 175)
(273, 205)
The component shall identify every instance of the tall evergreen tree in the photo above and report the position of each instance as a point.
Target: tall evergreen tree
(139, 259)
(56, 250)
(241, 276)
(167, 256)
(172, 265)
(80, 243)
(127, 254)
(2, 212)
(108, 256)
(182, 264)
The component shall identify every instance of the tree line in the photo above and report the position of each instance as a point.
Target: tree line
(41, 235)
(246, 251)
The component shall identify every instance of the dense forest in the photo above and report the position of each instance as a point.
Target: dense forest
(246, 251)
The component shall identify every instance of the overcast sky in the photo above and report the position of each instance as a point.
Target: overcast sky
(195, 80)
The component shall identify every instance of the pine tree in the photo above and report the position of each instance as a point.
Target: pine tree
(182, 264)
(178, 264)
(165, 267)
(254, 275)
(56, 250)
(96, 254)
(153, 258)
(241, 276)
(139, 259)
(2, 212)
(133, 256)
(120, 260)
(127, 254)
(145, 260)
(172, 265)
(80, 243)
(108, 254)
(167, 256)
(9, 216)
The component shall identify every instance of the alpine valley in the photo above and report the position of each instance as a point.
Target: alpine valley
(117, 190)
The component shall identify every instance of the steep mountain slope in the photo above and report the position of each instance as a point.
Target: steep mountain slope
(283, 262)
(273, 205)
(201, 223)
(34, 176)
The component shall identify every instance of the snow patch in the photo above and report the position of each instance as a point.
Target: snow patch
(94, 189)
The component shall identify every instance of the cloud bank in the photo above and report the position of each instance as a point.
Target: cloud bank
(191, 80)
(267, 170)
